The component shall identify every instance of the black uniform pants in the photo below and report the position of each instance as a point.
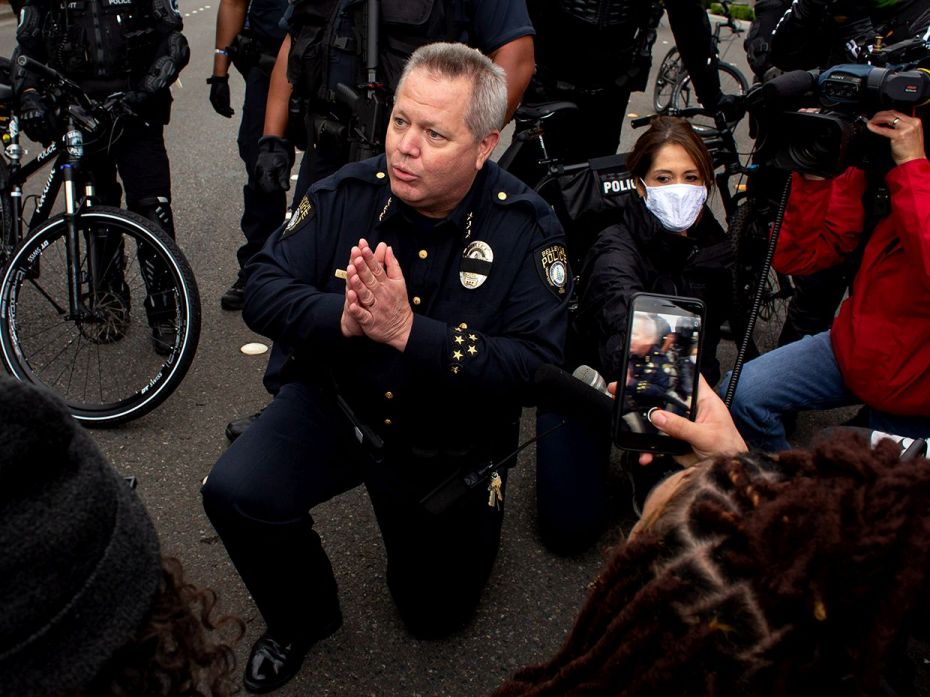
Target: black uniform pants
(140, 157)
(262, 213)
(300, 453)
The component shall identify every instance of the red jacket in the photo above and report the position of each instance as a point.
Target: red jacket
(881, 336)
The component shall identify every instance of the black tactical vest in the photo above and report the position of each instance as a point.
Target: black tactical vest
(589, 43)
(329, 40)
(606, 13)
(106, 40)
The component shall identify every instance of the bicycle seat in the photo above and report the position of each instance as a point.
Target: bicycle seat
(543, 110)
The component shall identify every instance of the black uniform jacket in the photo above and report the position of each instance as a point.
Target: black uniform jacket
(488, 287)
(638, 255)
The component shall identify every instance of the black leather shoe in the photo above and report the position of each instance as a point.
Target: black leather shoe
(237, 427)
(272, 663)
(234, 297)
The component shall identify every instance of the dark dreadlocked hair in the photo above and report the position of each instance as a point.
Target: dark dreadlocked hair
(765, 575)
(174, 653)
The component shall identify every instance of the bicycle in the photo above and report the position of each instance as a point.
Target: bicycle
(673, 83)
(82, 291)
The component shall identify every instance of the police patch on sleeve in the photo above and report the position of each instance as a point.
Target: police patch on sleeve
(552, 264)
(303, 212)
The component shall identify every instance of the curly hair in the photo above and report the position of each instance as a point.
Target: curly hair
(766, 576)
(173, 653)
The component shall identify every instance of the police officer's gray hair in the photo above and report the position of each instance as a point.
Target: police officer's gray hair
(488, 106)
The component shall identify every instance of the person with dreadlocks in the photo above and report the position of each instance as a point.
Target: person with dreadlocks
(751, 574)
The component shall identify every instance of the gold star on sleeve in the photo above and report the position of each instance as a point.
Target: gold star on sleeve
(457, 355)
(472, 350)
(459, 339)
(472, 337)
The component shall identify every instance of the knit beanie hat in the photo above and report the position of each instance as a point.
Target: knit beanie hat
(79, 556)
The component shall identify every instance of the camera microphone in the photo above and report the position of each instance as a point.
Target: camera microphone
(573, 395)
(790, 85)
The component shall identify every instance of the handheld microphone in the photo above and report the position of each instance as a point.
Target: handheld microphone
(573, 395)
(589, 376)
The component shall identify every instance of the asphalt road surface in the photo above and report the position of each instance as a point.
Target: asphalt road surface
(533, 595)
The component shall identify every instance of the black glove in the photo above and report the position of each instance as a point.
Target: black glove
(137, 99)
(219, 95)
(731, 106)
(273, 164)
(36, 119)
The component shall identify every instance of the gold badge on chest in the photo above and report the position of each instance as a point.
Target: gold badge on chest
(476, 264)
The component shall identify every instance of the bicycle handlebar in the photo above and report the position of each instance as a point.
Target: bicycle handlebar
(685, 113)
(82, 105)
(54, 76)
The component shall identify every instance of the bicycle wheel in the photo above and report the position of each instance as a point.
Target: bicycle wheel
(749, 237)
(135, 286)
(666, 79)
(732, 81)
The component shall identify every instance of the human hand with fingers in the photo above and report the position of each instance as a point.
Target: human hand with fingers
(713, 433)
(904, 132)
(349, 326)
(376, 295)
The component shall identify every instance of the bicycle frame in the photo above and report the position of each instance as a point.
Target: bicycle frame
(66, 154)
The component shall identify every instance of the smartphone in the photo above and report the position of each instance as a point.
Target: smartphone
(661, 356)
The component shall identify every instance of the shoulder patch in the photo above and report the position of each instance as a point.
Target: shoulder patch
(304, 212)
(553, 268)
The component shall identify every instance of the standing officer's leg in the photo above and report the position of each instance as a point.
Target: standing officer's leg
(258, 497)
(143, 166)
(262, 212)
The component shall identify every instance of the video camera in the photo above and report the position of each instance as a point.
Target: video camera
(830, 140)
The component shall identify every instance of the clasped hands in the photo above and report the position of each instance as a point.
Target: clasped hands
(376, 303)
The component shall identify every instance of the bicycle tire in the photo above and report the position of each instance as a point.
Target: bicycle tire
(666, 78)
(732, 81)
(749, 236)
(104, 365)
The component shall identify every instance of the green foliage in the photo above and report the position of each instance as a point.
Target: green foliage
(738, 11)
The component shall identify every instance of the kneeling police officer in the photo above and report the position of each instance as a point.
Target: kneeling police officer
(401, 360)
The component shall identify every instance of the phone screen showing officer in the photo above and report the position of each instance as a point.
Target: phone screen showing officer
(660, 370)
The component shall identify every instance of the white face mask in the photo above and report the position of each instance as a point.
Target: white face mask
(676, 206)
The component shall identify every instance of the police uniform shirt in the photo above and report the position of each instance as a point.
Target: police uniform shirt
(264, 19)
(488, 287)
(495, 23)
(483, 24)
(651, 375)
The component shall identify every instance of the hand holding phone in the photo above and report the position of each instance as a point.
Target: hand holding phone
(660, 370)
(711, 434)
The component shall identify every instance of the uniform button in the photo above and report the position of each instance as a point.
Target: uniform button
(389, 395)
(380, 175)
(423, 254)
(416, 300)
(388, 422)
(502, 196)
